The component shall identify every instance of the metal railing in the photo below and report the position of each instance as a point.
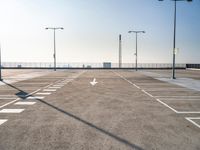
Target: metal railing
(86, 65)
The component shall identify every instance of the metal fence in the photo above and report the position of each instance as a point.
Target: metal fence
(197, 66)
(86, 65)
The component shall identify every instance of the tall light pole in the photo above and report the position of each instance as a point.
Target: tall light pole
(120, 51)
(54, 35)
(174, 38)
(136, 34)
(0, 65)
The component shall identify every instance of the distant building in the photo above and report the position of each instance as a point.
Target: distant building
(106, 64)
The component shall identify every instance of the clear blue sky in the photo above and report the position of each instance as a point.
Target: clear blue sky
(92, 28)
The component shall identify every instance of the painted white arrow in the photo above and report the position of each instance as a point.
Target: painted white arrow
(93, 82)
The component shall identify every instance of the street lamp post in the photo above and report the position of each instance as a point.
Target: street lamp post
(136, 54)
(0, 66)
(174, 38)
(54, 35)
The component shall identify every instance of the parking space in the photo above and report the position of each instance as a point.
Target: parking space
(180, 73)
(122, 110)
(179, 99)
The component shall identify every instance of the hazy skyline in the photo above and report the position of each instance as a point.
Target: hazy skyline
(91, 29)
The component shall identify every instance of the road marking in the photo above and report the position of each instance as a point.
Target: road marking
(178, 112)
(58, 85)
(147, 93)
(188, 112)
(25, 103)
(35, 97)
(9, 102)
(27, 95)
(3, 121)
(49, 90)
(169, 99)
(1, 98)
(190, 119)
(7, 95)
(93, 82)
(167, 105)
(178, 96)
(43, 93)
(54, 87)
(11, 110)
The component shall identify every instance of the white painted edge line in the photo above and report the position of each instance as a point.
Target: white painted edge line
(188, 112)
(177, 96)
(190, 119)
(49, 90)
(3, 121)
(167, 105)
(178, 112)
(150, 95)
(48, 86)
(33, 92)
(58, 85)
(9, 103)
(7, 95)
(45, 93)
(54, 87)
(147, 93)
(17, 99)
(1, 98)
(179, 99)
(11, 110)
(25, 103)
(35, 97)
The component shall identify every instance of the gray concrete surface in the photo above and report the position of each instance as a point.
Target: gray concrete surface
(124, 110)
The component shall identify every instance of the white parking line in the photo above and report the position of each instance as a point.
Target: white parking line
(35, 97)
(190, 119)
(171, 99)
(147, 93)
(178, 112)
(167, 105)
(7, 95)
(9, 103)
(43, 93)
(58, 85)
(178, 96)
(188, 112)
(25, 103)
(54, 87)
(1, 98)
(3, 121)
(49, 90)
(11, 110)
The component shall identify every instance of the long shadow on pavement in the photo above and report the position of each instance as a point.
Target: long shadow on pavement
(124, 141)
(21, 94)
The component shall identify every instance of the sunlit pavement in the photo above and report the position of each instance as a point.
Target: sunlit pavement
(99, 109)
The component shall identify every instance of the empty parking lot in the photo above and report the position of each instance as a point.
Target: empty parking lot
(123, 110)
